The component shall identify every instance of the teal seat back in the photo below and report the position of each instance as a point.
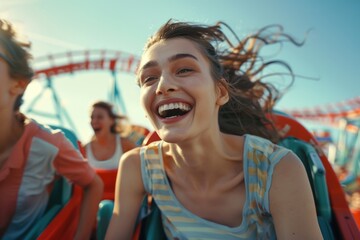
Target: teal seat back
(104, 215)
(149, 218)
(151, 223)
(70, 135)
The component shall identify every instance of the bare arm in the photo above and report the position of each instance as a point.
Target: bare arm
(291, 201)
(89, 206)
(129, 193)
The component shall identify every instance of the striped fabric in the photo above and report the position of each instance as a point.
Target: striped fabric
(260, 158)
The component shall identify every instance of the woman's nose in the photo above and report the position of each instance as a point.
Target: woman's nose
(165, 85)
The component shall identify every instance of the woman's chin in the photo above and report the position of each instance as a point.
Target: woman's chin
(171, 137)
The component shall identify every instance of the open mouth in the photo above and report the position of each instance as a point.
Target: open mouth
(97, 129)
(172, 110)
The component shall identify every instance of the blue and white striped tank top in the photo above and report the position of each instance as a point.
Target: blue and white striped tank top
(260, 157)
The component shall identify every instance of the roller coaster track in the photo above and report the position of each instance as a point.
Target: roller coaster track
(331, 113)
(346, 109)
(70, 62)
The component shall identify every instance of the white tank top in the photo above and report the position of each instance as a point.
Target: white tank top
(111, 163)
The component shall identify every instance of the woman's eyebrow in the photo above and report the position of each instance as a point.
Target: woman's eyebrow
(148, 65)
(170, 59)
(181, 55)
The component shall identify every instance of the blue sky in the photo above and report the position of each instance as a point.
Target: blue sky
(331, 53)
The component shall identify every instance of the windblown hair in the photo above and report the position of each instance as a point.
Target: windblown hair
(16, 55)
(240, 68)
(117, 127)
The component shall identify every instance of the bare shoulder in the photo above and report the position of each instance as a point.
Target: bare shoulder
(291, 201)
(130, 171)
(288, 181)
(289, 166)
(131, 158)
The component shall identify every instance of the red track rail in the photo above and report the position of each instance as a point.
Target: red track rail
(70, 62)
(332, 113)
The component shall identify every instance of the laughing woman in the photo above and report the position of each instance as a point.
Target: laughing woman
(217, 173)
(107, 145)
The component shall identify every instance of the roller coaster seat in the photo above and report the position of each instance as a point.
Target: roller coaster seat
(341, 224)
(108, 176)
(137, 134)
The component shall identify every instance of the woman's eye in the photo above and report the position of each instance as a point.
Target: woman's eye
(148, 79)
(184, 70)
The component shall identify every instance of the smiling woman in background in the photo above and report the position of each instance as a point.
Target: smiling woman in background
(107, 145)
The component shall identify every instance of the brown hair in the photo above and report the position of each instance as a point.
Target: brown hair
(242, 68)
(109, 108)
(16, 55)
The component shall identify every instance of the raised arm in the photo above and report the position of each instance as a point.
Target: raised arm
(129, 193)
(291, 201)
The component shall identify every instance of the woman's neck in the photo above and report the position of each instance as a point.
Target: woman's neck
(209, 146)
(208, 158)
(105, 138)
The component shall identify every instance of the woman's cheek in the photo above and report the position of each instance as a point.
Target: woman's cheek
(145, 99)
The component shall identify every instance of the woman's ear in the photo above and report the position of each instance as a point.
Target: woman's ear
(222, 92)
(18, 87)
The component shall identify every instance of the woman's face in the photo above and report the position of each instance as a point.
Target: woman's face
(10, 88)
(100, 120)
(4, 80)
(177, 91)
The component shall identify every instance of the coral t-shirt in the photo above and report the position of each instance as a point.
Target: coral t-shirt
(39, 155)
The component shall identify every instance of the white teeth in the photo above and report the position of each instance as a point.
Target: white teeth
(179, 105)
